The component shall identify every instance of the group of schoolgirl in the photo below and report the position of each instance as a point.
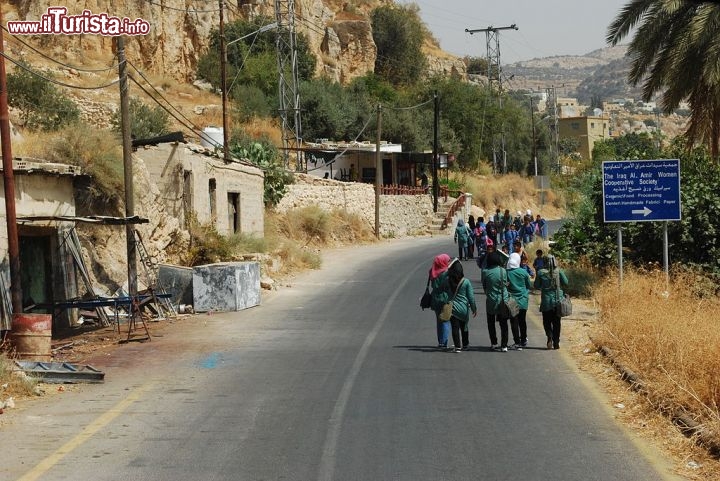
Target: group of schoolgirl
(502, 278)
(501, 230)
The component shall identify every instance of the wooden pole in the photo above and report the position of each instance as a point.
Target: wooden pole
(378, 171)
(125, 128)
(9, 184)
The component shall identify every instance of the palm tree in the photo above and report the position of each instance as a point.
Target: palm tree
(676, 52)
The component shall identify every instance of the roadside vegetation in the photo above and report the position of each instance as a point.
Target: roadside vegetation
(13, 384)
(664, 331)
(669, 336)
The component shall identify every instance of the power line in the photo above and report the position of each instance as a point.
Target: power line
(56, 82)
(181, 9)
(247, 54)
(74, 67)
(191, 128)
(182, 122)
(159, 93)
(413, 107)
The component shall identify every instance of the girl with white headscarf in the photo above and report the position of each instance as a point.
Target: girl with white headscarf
(519, 288)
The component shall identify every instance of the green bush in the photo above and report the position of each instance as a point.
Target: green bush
(694, 241)
(265, 155)
(208, 246)
(581, 281)
(42, 105)
(251, 102)
(146, 122)
(252, 61)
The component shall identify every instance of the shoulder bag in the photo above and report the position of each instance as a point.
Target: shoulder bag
(508, 308)
(446, 312)
(426, 298)
(563, 308)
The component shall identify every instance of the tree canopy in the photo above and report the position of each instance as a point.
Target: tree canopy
(399, 35)
(674, 53)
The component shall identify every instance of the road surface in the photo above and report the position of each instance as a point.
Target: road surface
(334, 378)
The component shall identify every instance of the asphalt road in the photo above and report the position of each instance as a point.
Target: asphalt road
(334, 378)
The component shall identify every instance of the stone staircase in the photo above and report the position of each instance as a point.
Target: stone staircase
(435, 227)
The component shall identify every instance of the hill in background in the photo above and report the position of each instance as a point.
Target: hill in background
(600, 74)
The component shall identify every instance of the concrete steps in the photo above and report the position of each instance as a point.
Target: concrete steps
(435, 227)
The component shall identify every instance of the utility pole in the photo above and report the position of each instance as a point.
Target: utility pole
(534, 141)
(492, 37)
(125, 126)
(378, 171)
(9, 184)
(554, 127)
(223, 82)
(436, 127)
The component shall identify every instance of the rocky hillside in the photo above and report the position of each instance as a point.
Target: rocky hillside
(601, 73)
(339, 33)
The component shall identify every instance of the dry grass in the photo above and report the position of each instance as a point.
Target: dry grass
(263, 128)
(511, 191)
(671, 340)
(14, 383)
(298, 236)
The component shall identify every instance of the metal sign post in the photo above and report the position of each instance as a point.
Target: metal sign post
(642, 191)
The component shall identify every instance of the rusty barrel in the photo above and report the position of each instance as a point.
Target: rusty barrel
(31, 336)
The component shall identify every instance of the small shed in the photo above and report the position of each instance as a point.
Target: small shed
(47, 269)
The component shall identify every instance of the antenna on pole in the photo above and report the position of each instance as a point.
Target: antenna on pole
(494, 74)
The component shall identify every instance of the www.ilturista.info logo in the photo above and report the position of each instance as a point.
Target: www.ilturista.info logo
(57, 22)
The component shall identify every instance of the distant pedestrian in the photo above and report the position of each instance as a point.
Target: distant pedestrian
(471, 241)
(550, 280)
(440, 295)
(540, 227)
(424, 181)
(538, 263)
(527, 232)
(463, 304)
(525, 264)
(462, 235)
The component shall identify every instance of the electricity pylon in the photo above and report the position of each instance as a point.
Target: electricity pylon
(494, 74)
(288, 84)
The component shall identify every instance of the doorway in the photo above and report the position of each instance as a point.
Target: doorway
(36, 273)
(233, 212)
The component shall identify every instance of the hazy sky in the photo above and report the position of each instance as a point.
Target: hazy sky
(545, 27)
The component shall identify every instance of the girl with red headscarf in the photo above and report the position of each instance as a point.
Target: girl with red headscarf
(438, 276)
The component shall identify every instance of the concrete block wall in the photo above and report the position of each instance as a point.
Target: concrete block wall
(400, 215)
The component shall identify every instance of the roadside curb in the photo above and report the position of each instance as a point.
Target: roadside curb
(679, 416)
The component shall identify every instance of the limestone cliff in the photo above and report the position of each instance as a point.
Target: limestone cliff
(339, 33)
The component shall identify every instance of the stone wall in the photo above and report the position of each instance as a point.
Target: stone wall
(400, 215)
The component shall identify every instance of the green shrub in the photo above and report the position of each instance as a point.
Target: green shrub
(265, 155)
(581, 281)
(146, 122)
(42, 105)
(208, 246)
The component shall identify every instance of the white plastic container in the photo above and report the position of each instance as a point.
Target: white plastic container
(211, 137)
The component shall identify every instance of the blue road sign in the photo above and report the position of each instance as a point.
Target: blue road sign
(641, 190)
